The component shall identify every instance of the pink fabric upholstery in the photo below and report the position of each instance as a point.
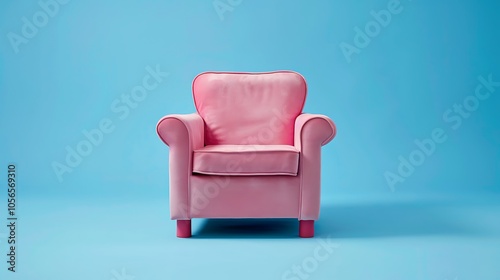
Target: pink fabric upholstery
(311, 132)
(244, 196)
(252, 108)
(183, 134)
(248, 152)
(248, 160)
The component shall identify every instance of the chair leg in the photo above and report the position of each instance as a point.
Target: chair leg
(306, 228)
(183, 228)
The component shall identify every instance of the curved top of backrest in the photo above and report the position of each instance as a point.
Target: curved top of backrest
(249, 108)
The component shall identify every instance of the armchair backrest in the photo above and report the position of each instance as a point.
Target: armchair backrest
(249, 108)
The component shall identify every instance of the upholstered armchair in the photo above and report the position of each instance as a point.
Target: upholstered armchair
(248, 151)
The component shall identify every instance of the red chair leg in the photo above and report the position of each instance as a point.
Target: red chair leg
(306, 228)
(183, 228)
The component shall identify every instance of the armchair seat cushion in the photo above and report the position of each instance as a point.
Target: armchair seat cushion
(246, 160)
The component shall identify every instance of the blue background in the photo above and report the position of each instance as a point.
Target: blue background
(111, 211)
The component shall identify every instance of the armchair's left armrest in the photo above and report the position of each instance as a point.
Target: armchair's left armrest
(183, 134)
(311, 132)
(313, 129)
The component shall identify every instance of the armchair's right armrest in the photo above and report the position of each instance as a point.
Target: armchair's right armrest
(183, 134)
(178, 129)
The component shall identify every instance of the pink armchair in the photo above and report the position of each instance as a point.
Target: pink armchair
(248, 151)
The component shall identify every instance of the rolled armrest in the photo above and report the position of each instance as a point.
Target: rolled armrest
(311, 132)
(312, 129)
(178, 129)
(183, 134)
